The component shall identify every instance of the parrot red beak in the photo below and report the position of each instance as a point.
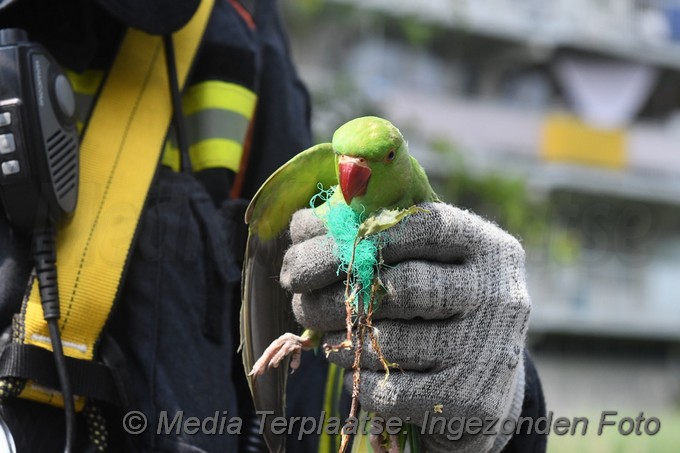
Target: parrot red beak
(354, 176)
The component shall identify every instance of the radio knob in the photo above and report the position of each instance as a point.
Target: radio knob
(64, 95)
(12, 36)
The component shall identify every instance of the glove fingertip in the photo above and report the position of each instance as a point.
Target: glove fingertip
(309, 266)
(304, 225)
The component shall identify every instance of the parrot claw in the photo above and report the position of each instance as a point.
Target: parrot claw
(278, 350)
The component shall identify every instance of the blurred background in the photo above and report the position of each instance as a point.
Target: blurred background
(560, 121)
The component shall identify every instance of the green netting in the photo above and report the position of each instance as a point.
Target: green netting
(343, 224)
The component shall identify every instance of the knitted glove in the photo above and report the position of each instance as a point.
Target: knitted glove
(454, 318)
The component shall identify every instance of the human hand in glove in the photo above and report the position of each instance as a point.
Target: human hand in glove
(454, 318)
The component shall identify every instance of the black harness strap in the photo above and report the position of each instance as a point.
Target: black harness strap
(90, 379)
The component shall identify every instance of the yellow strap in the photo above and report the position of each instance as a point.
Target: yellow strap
(119, 156)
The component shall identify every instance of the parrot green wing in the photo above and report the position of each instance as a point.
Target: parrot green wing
(266, 311)
(266, 314)
(289, 189)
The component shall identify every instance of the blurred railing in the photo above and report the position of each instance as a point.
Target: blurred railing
(605, 294)
(651, 21)
(648, 30)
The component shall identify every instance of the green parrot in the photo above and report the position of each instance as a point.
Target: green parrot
(368, 159)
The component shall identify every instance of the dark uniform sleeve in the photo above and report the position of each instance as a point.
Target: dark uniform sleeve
(533, 407)
(282, 118)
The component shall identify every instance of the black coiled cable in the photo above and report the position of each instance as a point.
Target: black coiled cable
(45, 258)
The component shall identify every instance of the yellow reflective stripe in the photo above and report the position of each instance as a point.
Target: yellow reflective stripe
(35, 392)
(86, 82)
(212, 153)
(132, 114)
(215, 94)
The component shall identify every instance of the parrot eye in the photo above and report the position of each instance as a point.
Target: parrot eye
(391, 155)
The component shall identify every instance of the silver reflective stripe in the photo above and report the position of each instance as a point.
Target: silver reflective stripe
(216, 123)
(216, 138)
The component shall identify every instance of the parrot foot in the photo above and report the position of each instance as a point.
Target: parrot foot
(281, 348)
(376, 441)
(328, 348)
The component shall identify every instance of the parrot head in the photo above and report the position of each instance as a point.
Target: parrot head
(373, 165)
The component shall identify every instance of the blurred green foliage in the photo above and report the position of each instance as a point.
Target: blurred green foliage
(416, 32)
(507, 201)
(502, 199)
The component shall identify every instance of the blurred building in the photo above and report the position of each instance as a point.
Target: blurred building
(579, 100)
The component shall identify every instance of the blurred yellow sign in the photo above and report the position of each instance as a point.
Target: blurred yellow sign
(568, 139)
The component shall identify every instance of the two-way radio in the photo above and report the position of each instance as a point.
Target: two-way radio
(38, 136)
(39, 170)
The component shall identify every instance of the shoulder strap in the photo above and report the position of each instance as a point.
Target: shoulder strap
(119, 156)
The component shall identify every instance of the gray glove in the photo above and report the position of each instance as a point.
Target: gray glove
(454, 318)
